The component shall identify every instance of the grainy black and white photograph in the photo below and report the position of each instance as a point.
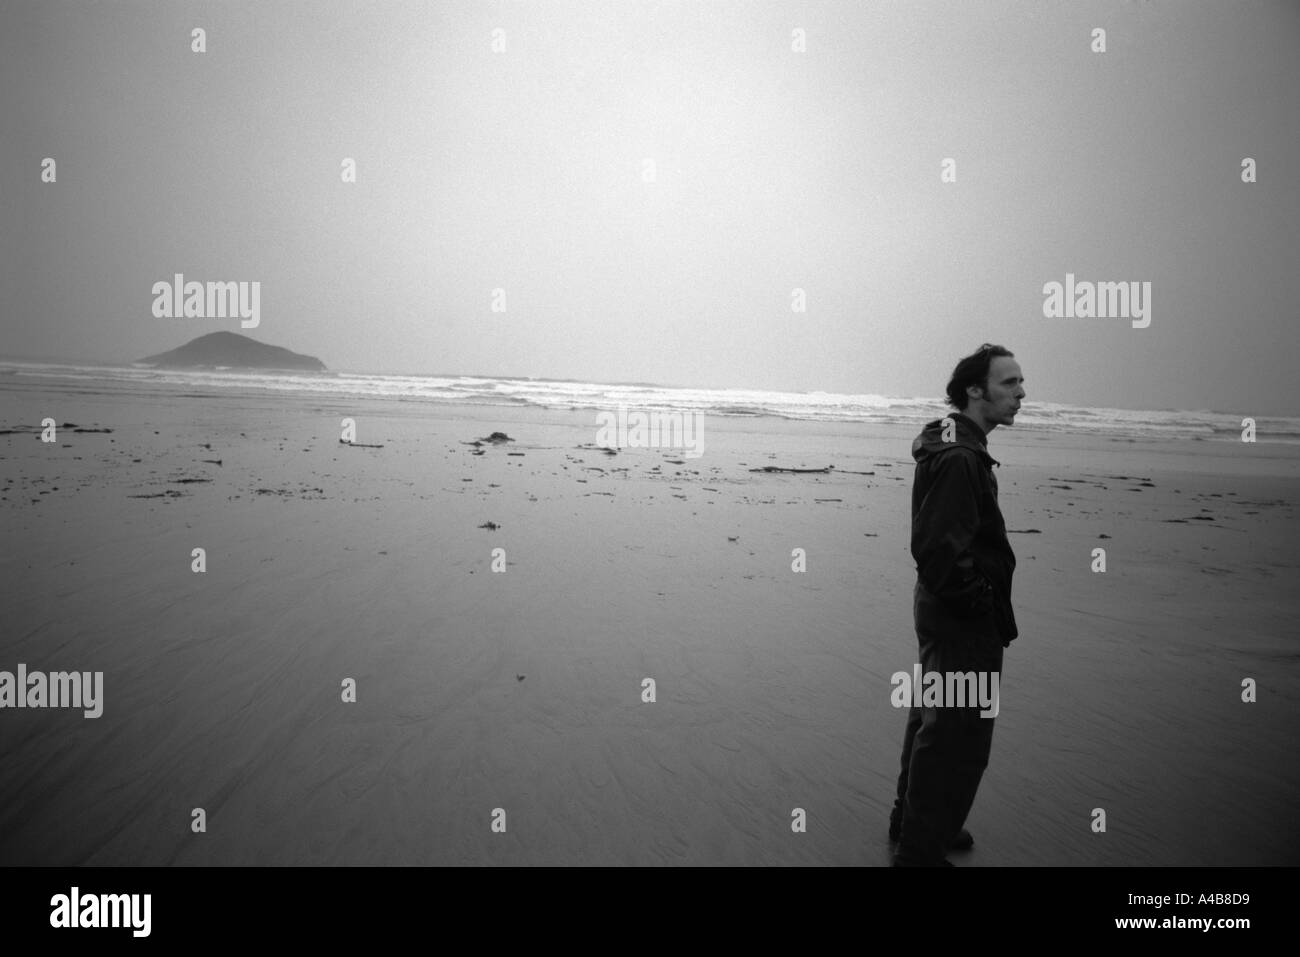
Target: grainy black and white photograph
(683, 433)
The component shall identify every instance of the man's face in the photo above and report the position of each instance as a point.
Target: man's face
(1001, 400)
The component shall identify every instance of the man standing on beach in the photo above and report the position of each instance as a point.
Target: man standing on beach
(961, 604)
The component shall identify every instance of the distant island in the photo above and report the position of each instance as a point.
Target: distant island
(231, 350)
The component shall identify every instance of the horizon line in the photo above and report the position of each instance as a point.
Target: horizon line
(940, 400)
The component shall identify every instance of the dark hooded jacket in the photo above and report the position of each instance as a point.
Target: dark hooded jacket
(964, 561)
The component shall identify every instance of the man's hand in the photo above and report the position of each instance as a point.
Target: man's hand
(976, 600)
(967, 594)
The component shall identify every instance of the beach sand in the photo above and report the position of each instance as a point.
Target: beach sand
(522, 690)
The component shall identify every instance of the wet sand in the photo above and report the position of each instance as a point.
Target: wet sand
(522, 690)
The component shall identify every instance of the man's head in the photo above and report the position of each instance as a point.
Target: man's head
(987, 387)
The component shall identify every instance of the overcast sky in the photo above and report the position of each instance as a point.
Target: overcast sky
(774, 170)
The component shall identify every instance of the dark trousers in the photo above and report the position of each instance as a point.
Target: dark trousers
(945, 749)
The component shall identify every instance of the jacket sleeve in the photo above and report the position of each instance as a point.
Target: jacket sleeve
(942, 532)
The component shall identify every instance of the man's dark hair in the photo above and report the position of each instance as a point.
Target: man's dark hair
(973, 370)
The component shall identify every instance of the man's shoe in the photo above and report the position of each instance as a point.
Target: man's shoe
(896, 822)
(899, 861)
(962, 842)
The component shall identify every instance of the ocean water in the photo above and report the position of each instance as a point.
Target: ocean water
(552, 394)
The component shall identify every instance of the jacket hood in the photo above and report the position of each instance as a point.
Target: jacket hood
(966, 434)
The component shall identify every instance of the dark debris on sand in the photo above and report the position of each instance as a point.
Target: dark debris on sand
(496, 438)
(37, 430)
